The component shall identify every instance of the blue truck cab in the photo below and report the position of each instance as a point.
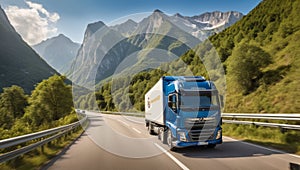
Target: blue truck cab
(185, 111)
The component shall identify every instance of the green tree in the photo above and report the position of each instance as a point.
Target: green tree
(245, 66)
(12, 103)
(50, 101)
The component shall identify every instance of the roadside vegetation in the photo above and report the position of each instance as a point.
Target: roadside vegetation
(50, 105)
(38, 157)
(270, 137)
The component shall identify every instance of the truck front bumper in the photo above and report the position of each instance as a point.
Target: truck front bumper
(181, 144)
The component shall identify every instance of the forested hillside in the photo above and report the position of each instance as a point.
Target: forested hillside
(267, 38)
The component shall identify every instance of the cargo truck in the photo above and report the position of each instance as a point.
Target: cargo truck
(184, 111)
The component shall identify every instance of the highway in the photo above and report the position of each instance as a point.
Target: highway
(122, 142)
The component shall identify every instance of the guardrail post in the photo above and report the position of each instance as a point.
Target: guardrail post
(283, 130)
(254, 125)
(42, 149)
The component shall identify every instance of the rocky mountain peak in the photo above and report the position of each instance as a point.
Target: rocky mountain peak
(63, 38)
(130, 21)
(178, 15)
(58, 51)
(93, 27)
(157, 11)
(217, 17)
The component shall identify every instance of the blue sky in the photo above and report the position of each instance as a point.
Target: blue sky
(75, 15)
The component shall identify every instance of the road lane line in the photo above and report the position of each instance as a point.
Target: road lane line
(261, 147)
(136, 130)
(172, 157)
(123, 122)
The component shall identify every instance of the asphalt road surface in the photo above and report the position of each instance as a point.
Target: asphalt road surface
(121, 142)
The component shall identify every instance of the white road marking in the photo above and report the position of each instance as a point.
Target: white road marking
(172, 157)
(129, 126)
(261, 147)
(136, 130)
(131, 119)
(123, 122)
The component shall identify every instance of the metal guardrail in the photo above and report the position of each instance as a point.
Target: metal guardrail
(139, 114)
(264, 116)
(271, 116)
(267, 116)
(58, 132)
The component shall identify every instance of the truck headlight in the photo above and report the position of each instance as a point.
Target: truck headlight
(219, 134)
(182, 136)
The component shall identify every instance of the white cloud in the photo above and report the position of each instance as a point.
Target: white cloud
(34, 23)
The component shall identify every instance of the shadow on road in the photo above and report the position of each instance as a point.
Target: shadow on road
(229, 149)
(95, 117)
(95, 121)
(61, 154)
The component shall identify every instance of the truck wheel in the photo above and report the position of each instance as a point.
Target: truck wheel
(150, 129)
(170, 140)
(159, 134)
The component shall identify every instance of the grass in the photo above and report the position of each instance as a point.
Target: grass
(269, 137)
(38, 157)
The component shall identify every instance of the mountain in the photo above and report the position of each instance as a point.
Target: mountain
(20, 64)
(98, 39)
(212, 20)
(207, 24)
(130, 47)
(263, 48)
(58, 52)
(126, 28)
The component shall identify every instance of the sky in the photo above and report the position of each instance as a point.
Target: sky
(37, 20)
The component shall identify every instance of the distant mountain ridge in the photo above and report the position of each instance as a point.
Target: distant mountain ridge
(19, 63)
(98, 57)
(211, 20)
(206, 24)
(58, 51)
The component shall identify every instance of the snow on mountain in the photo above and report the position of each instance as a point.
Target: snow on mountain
(209, 22)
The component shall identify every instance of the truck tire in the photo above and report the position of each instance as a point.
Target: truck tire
(162, 135)
(151, 129)
(170, 140)
(159, 136)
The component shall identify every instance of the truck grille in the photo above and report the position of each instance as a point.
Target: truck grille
(200, 129)
(201, 135)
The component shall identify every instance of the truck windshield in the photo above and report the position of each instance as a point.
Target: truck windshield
(196, 100)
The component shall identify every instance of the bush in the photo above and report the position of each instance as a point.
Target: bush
(244, 67)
